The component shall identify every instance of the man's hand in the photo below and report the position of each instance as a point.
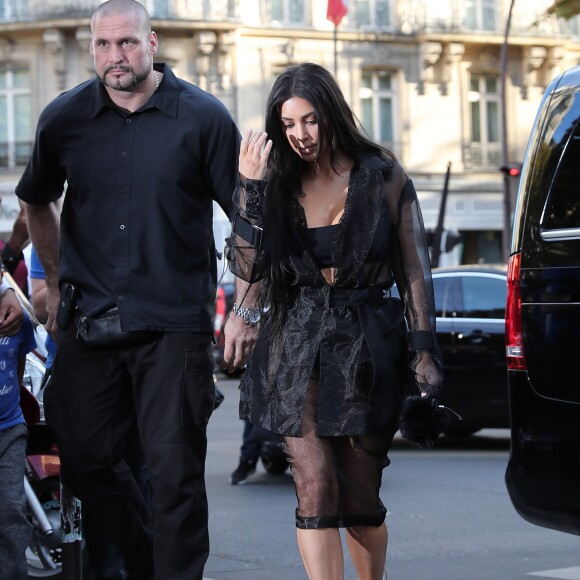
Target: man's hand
(52, 300)
(239, 340)
(11, 314)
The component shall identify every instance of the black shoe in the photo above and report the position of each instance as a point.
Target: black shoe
(246, 468)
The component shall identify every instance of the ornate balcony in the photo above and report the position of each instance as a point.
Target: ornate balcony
(41, 10)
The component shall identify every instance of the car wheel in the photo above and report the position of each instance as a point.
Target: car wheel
(273, 457)
(274, 465)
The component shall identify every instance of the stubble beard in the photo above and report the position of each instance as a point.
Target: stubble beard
(125, 85)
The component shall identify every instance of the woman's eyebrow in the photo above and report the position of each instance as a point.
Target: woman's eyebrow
(303, 116)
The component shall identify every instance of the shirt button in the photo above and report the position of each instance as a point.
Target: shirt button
(121, 227)
(120, 298)
(128, 120)
(124, 154)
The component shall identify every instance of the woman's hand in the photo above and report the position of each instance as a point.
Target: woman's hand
(428, 374)
(254, 152)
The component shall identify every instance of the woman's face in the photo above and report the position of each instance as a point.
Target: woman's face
(300, 125)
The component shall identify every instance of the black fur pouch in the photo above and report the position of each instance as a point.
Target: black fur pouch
(423, 419)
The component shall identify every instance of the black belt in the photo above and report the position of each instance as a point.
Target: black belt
(363, 300)
(374, 295)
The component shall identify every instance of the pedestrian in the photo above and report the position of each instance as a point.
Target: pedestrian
(249, 456)
(330, 221)
(15, 529)
(132, 268)
(11, 252)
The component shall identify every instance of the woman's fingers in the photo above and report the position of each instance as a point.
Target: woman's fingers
(254, 152)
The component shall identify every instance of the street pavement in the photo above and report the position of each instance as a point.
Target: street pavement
(450, 517)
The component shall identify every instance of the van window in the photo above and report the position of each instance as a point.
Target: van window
(563, 204)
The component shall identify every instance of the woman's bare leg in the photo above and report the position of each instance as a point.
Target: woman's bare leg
(367, 546)
(321, 552)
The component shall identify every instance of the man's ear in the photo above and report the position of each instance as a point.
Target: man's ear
(153, 43)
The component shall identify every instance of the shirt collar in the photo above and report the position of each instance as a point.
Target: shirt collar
(164, 98)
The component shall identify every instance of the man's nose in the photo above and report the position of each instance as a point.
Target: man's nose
(116, 54)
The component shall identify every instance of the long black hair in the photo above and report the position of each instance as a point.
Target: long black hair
(337, 125)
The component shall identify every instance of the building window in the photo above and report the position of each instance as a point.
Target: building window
(13, 9)
(481, 15)
(480, 247)
(373, 13)
(484, 102)
(285, 11)
(377, 103)
(15, 116)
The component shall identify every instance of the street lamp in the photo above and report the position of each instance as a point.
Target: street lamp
(507, 206)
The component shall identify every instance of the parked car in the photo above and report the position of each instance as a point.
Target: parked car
(543, 317)
(470, 309)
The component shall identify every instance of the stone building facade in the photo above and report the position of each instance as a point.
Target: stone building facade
(423, 77)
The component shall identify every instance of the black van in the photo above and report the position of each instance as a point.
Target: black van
(543, 317)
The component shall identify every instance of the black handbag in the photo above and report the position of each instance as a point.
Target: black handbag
(104, 330)
(423, 419)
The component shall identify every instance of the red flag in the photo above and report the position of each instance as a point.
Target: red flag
(336, 11)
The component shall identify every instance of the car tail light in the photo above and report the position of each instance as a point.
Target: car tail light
(513, 317)
(220, 311)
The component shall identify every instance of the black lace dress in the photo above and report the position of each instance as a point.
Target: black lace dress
(336, 374)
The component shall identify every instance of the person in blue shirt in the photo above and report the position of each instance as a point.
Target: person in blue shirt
(38, 297)
(15, 529)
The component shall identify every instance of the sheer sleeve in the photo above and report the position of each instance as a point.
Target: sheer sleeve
(413, 276)
(245, 246)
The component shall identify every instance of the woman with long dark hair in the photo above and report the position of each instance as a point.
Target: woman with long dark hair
(327, 222)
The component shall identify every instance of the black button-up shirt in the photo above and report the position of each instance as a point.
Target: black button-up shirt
(136, 224)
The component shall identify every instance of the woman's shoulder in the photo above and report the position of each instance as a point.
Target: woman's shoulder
(388, 166)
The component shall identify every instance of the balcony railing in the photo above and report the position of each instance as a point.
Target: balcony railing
(14, 154)
(35, 10)
(482, 156)
(452, 16)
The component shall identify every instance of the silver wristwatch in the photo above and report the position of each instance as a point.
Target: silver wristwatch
(250, 315)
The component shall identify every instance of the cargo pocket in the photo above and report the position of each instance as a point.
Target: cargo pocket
(198, 388)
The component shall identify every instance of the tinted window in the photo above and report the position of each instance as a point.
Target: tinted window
(563, 205)
(443, 288)
(483, 297)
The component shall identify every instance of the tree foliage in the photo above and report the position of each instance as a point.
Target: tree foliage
(564, 8)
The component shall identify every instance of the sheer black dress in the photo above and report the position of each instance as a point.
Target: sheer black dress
(331, 382)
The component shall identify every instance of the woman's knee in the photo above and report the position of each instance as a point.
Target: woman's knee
(317, 496)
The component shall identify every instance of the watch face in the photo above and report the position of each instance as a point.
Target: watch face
(254, 316)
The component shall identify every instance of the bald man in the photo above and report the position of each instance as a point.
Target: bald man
(131, 279)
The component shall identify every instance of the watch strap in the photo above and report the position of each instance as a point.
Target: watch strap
(10, 259)
(246, 314)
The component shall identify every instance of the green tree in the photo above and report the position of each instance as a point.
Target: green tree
(564, 8)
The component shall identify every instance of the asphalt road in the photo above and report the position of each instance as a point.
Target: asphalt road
(450, 517)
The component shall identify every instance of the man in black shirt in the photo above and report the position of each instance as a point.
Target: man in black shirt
(143, 154)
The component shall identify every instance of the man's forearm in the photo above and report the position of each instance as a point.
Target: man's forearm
(44, 230)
